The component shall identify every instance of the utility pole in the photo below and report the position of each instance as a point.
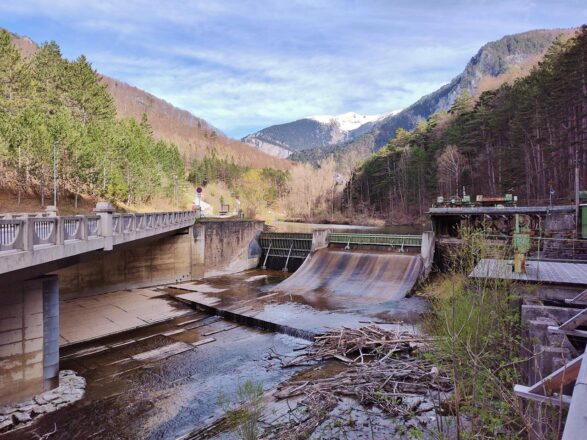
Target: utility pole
(577, 219)
(55, 174)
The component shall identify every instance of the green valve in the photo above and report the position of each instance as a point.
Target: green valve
(583, 221)
(521, 243)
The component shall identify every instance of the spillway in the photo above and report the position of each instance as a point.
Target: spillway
(356, 276)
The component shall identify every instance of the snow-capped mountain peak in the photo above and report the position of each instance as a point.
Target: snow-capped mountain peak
(313, 132)
(350, 120)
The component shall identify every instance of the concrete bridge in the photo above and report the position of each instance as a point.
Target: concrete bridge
(33, 249)
(33, 243)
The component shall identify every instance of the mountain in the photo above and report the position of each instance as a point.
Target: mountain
(522, 138)
(493, 60)
(311, 132)
(511, 57)
(194, 137)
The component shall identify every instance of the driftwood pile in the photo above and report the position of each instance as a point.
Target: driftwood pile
(385, 369)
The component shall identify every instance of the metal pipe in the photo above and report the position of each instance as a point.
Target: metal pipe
(288, 255)
(267, 256)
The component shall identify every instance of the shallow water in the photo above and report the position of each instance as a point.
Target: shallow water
(128, 398)
(158, 383)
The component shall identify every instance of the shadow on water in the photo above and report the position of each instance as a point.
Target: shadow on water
(133, 396)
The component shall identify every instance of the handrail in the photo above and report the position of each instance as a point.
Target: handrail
(11, 234)
(24, 232)
(400, 241)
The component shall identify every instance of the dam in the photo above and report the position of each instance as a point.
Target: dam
(107, 312)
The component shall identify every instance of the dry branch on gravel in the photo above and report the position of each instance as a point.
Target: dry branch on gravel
(362, 345)
(385, 369)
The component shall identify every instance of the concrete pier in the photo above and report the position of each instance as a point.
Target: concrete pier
(29, 338)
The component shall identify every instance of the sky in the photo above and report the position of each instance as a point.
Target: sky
(244, 65)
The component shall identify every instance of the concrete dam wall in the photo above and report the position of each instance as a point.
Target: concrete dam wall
(356, 275)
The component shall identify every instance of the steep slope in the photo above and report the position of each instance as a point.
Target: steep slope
(493, 60)
(311, 132)
(194, 137)
(503, 60)
(524, 138)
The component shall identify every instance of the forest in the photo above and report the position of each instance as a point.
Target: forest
(55, 109)
(525, 138)
(59, 112)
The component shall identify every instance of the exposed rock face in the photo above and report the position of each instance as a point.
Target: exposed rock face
(493, 59)
(71, 388)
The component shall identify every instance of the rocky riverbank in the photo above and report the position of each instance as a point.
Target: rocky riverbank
(71, 388)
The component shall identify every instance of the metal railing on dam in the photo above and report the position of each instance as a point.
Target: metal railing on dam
(33, 239)
(392, 240)
(284, 244)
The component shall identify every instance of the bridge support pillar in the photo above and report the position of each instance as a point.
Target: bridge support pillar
(29, 338)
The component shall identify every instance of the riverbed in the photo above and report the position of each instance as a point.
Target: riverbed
(164, 380)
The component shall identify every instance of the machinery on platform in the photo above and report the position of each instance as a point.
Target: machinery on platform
(465, 201)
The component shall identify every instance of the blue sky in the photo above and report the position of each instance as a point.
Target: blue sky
(244, 65)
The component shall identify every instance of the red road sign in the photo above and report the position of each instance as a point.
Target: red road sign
(199, 189)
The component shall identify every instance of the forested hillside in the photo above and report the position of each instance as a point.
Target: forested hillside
(524, 138)
(49, 105)
(112, 141)
(195, 138)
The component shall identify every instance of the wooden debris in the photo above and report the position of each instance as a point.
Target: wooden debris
(384, 369)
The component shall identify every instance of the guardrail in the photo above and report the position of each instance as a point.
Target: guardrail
(391, 240)
(542, 248)
(25, 232)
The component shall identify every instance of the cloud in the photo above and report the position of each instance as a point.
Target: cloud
(247, 64)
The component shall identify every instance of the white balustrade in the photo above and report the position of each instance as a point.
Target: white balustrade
(93, 226)
(22, 231)
(11, 234)
(44, 230)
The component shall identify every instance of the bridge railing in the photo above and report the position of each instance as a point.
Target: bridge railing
(19, 232)
(44, 230)
(11, 234)
(92, 226)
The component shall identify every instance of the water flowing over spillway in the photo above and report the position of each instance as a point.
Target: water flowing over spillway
(355, 276)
